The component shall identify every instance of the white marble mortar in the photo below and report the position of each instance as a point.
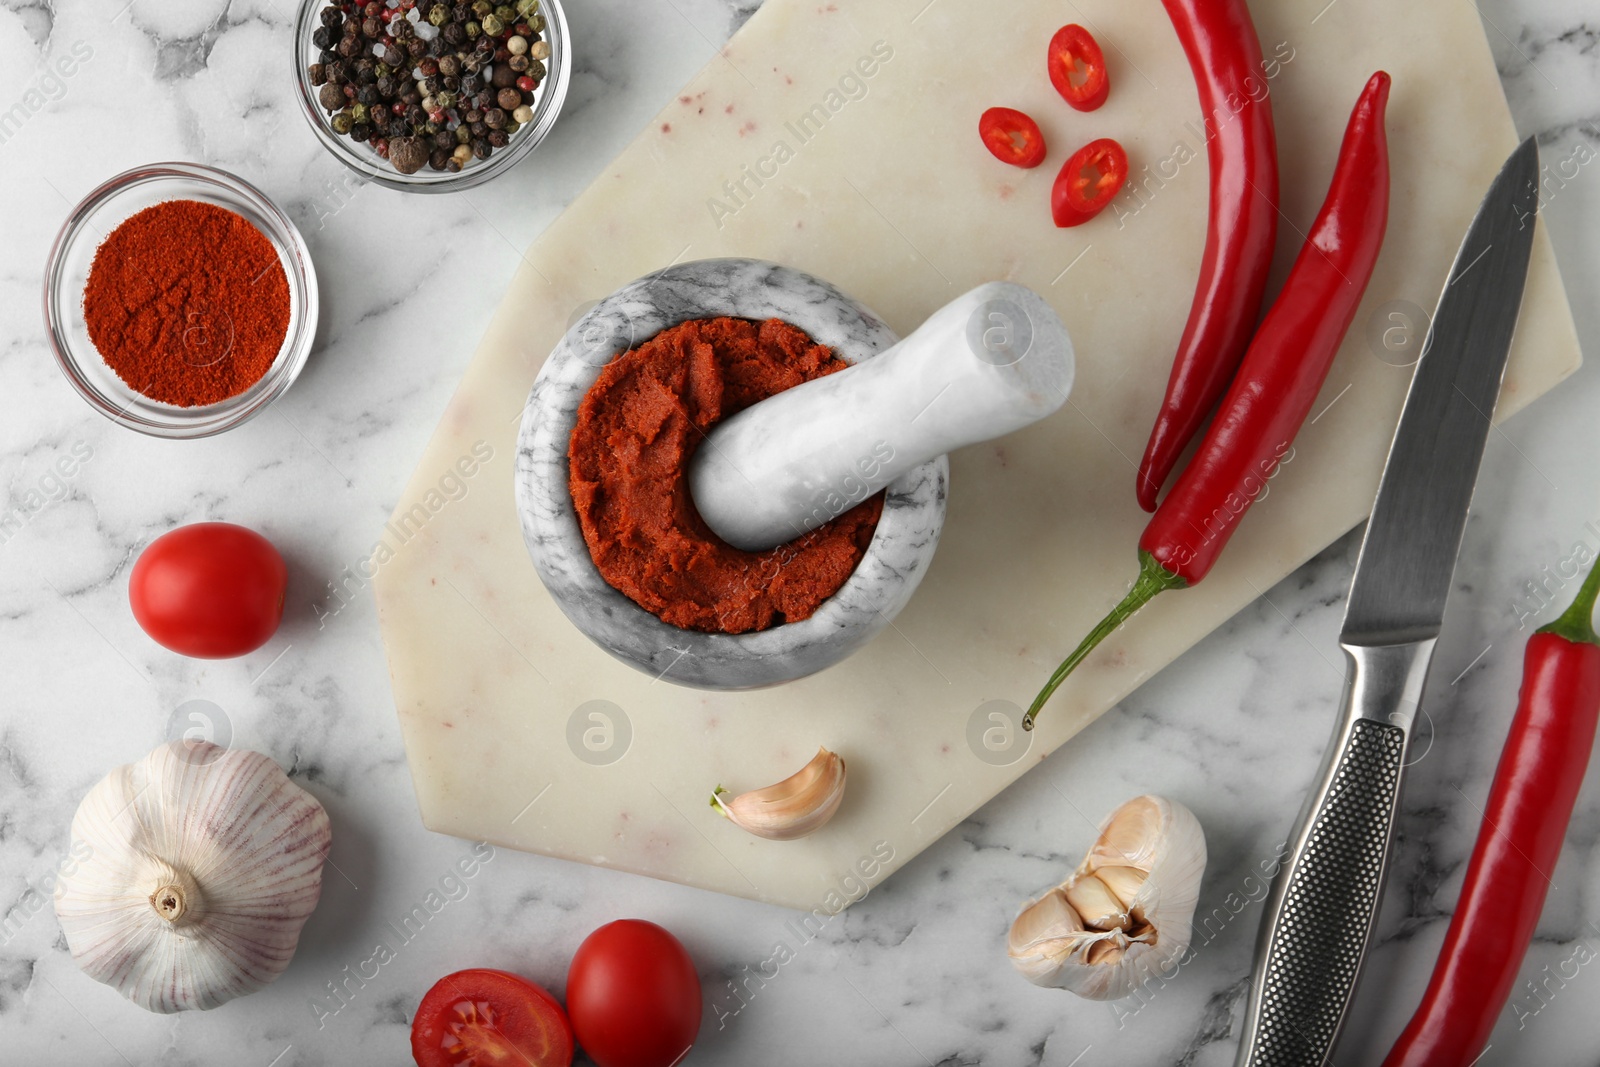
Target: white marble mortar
(882, 584)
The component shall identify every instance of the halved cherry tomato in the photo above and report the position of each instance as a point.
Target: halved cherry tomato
(1088, 182)
(1012, 137)
(1070, 46)
(485, 1018)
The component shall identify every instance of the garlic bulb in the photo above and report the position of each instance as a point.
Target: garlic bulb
(1124, 913)
(203, 865)
(792, 808)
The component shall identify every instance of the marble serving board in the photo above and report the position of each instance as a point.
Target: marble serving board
(840, 138)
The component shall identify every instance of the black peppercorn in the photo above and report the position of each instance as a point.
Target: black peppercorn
(479, 129)
(323, 37)
(430, 85)
(472, 116)
(416, 47)
(350, 46)
(387, 86)
(444, 139)
(374, 8)
(438, 46)
(503, 76)
(393, 56)
(368, 94)
(381, 117)
(483, 101)
(318, 72)
(331, 97)
(327, 55)
(481, 148)
(499, 138)
(451, 84)
(461, 12)
(411, 98)
(416, 116)
(331, 16)
(438, 159)
(453, 33)
(338, 71)
(361, 131)
(494, 118)
(453, 166)
(449, 65)
(519, 64)
(403, 28)
(471, 84)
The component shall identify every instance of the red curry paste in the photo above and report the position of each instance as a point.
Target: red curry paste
(629, 454)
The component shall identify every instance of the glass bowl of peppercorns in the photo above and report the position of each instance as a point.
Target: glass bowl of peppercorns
(431, 95)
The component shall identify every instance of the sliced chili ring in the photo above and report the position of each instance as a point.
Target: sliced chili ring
(1011, 137)
(1088, 182)
(1070, 46)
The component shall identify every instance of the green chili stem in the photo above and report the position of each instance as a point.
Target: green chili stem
(1576, 624)
(1153, 578)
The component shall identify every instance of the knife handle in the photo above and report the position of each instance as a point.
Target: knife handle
(1324, 902)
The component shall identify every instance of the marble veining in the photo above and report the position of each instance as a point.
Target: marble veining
(883, 581)
(913, 973)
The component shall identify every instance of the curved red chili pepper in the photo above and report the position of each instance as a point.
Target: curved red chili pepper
(1225, 55)
(1278, 380)
(1530, 804)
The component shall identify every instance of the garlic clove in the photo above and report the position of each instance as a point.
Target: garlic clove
(1124, 914)
(200, 867)
(797, 806)
(1123, 882)
(1093, 900)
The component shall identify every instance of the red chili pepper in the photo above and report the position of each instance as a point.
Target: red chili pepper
(1088, 182)
(1530, 804)
(1070, 46)
(1012, 137)
(1278, 380)
(1225, 55)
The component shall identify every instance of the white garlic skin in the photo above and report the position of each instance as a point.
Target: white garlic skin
(1050, 943)
(203, 866)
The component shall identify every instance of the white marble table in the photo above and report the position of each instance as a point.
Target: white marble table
(914, 973)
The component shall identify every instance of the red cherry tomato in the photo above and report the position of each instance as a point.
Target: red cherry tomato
(1070, 46)
(634, 996)
(210, 590)
(1088, 182)
(1012, 137)
(485, 1018)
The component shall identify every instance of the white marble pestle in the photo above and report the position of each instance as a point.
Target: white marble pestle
(988, 363)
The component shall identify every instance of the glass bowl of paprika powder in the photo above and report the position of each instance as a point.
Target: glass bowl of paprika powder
(197, 190)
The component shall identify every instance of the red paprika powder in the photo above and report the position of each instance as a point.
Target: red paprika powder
(187, 302)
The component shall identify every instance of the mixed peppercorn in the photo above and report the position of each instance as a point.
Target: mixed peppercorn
(429, 81)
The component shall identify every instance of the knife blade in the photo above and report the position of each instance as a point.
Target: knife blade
(1324, 902)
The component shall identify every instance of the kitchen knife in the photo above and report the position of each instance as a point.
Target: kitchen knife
(1324, 902)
